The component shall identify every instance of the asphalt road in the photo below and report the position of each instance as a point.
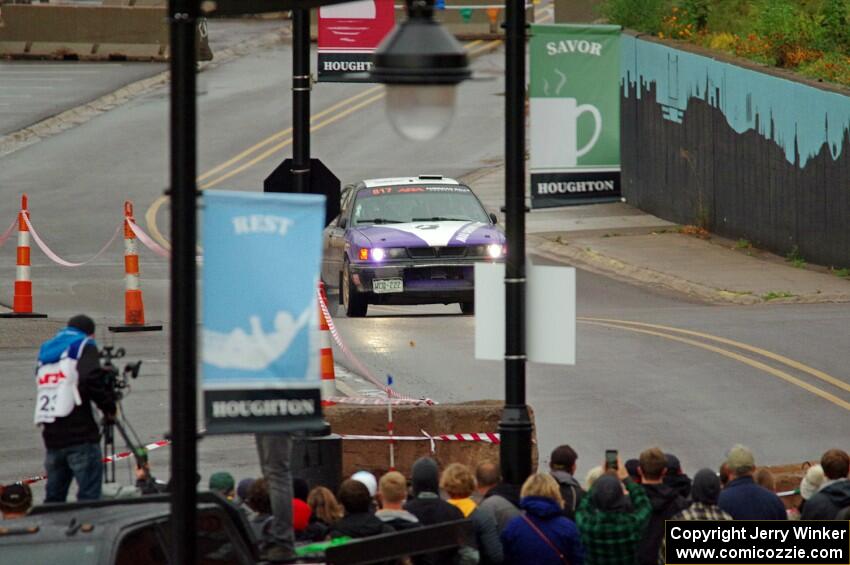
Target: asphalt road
(629, 390)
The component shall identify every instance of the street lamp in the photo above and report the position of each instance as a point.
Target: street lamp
(421, 63)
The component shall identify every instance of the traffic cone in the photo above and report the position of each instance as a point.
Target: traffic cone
(326, 354)
(22, 302)
(134, 308)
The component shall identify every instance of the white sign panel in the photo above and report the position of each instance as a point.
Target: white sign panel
(550, 313)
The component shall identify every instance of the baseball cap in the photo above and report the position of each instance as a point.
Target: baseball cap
(740, 459)
(367, 479)
(222, 481)
(15, 497)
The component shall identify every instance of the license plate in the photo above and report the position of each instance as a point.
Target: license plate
(382, 286)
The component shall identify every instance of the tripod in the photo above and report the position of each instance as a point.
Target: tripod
(134, 444)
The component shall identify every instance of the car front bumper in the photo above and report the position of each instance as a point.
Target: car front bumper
(438, 282)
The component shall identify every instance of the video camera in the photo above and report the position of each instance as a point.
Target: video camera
(117, 381)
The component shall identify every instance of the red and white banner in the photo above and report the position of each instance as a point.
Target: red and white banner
(348, 35)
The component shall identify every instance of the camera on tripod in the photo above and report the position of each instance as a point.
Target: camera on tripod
(117, 381)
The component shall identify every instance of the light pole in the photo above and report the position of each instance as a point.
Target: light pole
(515, 425)
(183, 380)
(301, 85)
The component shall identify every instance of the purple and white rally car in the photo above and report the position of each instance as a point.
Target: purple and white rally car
(408, 241)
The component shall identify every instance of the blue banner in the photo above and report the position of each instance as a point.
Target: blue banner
(262, 253)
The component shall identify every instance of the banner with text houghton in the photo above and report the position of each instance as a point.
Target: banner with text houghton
(261, 266)
(348, 35)
(575, 114)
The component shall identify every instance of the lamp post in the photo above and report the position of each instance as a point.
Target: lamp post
(515, 425)
(301, 85)
(183, 384)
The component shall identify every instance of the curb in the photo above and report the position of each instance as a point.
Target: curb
(604, 265)
(86, 112)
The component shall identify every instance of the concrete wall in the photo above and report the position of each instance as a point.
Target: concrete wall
(747, 151)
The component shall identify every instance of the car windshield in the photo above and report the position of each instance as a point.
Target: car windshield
(394, 205)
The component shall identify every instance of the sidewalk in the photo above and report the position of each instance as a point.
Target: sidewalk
(622, 242)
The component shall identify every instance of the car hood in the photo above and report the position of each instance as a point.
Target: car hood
(427, 234)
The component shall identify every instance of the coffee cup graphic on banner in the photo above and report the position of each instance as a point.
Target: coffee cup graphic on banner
(558, 136)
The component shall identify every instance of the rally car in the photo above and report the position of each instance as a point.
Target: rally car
(408, 241)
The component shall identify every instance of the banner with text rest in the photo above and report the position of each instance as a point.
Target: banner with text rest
(259, 350)
(348, 35)
(575, 114)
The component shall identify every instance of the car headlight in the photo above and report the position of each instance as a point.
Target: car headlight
(494, 250)
(378, 254)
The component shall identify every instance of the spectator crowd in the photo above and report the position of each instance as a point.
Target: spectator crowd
(616, 517)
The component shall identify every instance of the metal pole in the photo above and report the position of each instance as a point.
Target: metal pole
(183, 15)
(515, 425)
(301, 85)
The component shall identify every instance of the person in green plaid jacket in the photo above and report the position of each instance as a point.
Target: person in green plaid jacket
(611, 523)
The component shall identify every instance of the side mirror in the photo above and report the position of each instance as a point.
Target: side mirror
(494, 218)
(343, 222)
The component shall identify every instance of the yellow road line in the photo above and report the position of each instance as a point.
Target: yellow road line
(818, 374)
(285, 132)
(737, 357)
(486, 47)
(268, 153)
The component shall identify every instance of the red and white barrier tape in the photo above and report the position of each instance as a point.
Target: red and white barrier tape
(483, 437)
(116, 457)
(59, 260)
(148, 241)
(8, 233)
(372, 401)
(360, 367)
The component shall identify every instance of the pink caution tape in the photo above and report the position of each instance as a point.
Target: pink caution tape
(116, 457)
(147, 241)
(8, 233)
(59, 260)
(360, 367)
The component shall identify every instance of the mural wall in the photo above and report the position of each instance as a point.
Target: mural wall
(748, 154)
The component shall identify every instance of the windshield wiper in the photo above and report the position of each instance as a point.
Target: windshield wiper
(440, 219)
(379, 221)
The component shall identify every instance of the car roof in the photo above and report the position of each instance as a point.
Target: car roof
(430, 180)
(107, 516)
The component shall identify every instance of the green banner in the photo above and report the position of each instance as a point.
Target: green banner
(575, 114)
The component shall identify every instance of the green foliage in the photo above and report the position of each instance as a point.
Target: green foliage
(834, 19)
(843, 273)
(774, 294)
(695, 12)
(743, 244)
(642, 15)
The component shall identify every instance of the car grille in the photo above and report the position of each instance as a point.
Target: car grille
(434, 252)
(422, 252)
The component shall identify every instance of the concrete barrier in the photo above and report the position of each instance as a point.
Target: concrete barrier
(88, 32)
(471, 417)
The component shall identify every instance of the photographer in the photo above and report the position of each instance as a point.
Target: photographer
(69, 378)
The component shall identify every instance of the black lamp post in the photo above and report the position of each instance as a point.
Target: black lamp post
(515, 426)
(421, 63)
(183, 385)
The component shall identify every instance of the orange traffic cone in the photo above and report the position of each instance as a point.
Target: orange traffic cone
(134, 308)
(22, 302)
(326, 354)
